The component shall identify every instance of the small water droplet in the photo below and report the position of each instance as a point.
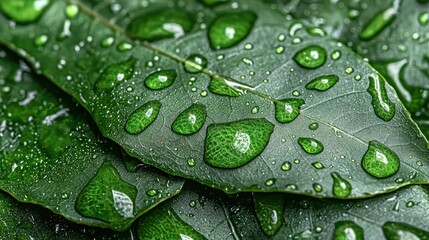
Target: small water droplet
(190, 120)
(107, 42)
(310, 145)
(313, 126)
(348, 230)
(424, 18)
(114, 74)
(341, 187)
(192, 203)
(71, 11)
(336, 55)
(317, 187)
(41, 40)
(322, 83)
(191, 162)
(280, 49)
(161, 24)
(255, 110)
(229, 29)
(160, 79)
(288, 109)
(144, 116)
(379, 161)
(151, 192)
(311, 57)
(318, 165)
(286, 166)
(195, 63)
(123, 47)
(270, 182)
(383, 107)
(233, 144)
(269, 208)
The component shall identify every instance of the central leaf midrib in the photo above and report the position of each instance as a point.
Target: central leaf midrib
(90, 12)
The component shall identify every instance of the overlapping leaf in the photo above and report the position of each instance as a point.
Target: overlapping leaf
(93, 57)
(51, 155)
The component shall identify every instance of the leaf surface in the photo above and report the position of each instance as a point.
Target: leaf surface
(247, 89)
(51, 154)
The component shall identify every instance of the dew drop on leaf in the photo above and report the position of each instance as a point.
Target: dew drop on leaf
(269, 210)
(310, 145)
(318, 165)
(144, 116)
(229, 29)
(151, 192)
(107, 197)
(190, 120)
(286, 166)
(233, 144)
(71, 11)
(341, 187)
(221, 86)
(397, 230)
(311, 57)
(161, 24)
(195, 63)
(288, 109)
(379, 161)
(123, 47)
(41, 40)
(383, 107)
(380, 21)
(160, 79)
(317, 187)
(107, 42)
(313, 126)
(322, 83)
(24, 11)
(345, 230)
(424, 18)
(114, 74)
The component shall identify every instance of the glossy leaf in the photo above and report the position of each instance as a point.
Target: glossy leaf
(52, 155)
(256, 74)
(398, 215)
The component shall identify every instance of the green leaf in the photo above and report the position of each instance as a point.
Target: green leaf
(26, 221)
(254, 79)
(398, 215)
(391, 34)
(52, 155)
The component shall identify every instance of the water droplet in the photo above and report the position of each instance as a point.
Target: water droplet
(349, 70)
(318, 165)
(144, 116)
(322, 83)
(229, 29)
(311, 57)
(123, 47)
(41, 40)
(383, 107)
(313, 126)
(403, 231)
(310, 145)
(248, 46)
(107, 42)
(296, 93)
(161, 24)
(107, 197)
(270, 182)
(151, 192)
(269, 208)
(288, 109)
(379, 22)
(195, 63)
(24, 11)
(280, 49)
(317, 187)
(160, 79)
(315, 31)
(233, 144)
(255, 110)
(191, 162)
(341, 187)
(379, 161)
(348, 230)
(424, 18)
(190, 120)
(221, 86)
(286, 166)
(336, 55)
(114, 75)
(72, 11)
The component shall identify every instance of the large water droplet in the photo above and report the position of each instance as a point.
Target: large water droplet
(348, 230)
(191, 120)
(160, 79)
(383, 107)
(222, 86)
(424, 18)
(322, 83)
(269, 208)
(379, 161)
(311, 57)
(24, 11)
(195, 63)
(114, 74)
(213, 2)
(229, 29)
(233, 144)
(379, 22)
(341, 187)
(144, 116)
(161, 24)
(107, 197)
(403, 231)
(310, 145)
(288, 109)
